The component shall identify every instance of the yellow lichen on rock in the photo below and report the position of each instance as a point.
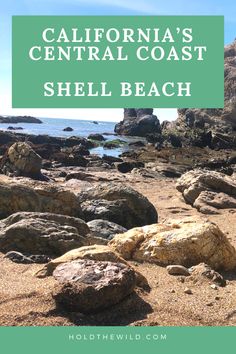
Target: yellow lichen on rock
(187, 242)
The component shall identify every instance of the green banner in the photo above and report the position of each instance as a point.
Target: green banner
(107, 340)
(118, 61)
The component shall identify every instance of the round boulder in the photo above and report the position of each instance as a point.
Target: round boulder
(87, 286)
(119, 204)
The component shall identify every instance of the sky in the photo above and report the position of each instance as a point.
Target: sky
(97, 7)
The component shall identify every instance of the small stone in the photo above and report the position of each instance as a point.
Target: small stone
(18, 257)
(217, 298)
(209, 304)
(213, 286)
(172, 291)
(177, 270)
(181, 279)
(188, 291)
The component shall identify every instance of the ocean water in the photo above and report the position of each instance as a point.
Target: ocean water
(82, 128)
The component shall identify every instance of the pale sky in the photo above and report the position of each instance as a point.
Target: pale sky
(97, 7)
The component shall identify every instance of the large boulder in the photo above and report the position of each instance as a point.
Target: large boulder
(42, 233)
(22, 160)
(22, 196)
(187, 242)
(138, 122)
(208, 191)
(117, 203)
(87, 286)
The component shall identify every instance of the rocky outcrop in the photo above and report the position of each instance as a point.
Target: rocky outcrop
(19, 119)
(45, 145)
(187, 242)
(138, 122)
(215, 128)
(117, 203)
(22, 196)
(42, 233)
(87, 286)
(208, 191)
(22, 160)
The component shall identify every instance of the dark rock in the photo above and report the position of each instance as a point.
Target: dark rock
(175, 141)
(62, 174)
(18, 257)
(46, 164)
(70, 159)
(68, 129)
(7, 138)
(42, 233)
(137, 144)
(105, 229)
(83, 176)
(46, 151)
(138, 122)
(113, 144)
(222, 165)
(95, 122)
(97, 137)
(223, 141)
(39, 258)
(111, 159)
(15, 128)
(87, 286)
(80, 150)
(125, 167)
(154, 138)
(117, 203)
(75, 141)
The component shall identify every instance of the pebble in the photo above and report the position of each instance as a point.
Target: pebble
(177, 270)
(188, 291)
(214, 287)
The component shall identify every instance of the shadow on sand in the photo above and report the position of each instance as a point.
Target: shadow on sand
(131, 309)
